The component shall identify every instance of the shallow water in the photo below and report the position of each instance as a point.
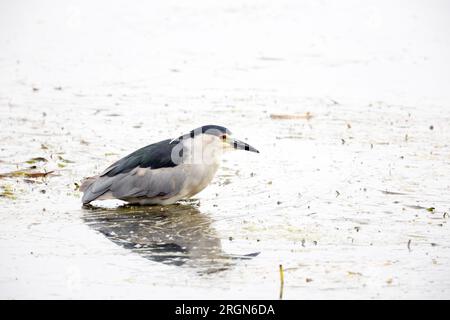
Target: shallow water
(341, 199)
(177, 235)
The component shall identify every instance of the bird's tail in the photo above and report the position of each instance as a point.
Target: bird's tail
(96, 187)
(87, 182)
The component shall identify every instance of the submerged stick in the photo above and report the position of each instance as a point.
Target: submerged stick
(281, 281)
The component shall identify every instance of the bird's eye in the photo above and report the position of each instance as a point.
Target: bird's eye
(223, 137)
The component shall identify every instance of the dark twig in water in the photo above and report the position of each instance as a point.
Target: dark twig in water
(392, 192)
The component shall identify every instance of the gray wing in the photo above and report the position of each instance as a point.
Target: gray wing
(155, 156)
(139, 182)
(147, 172)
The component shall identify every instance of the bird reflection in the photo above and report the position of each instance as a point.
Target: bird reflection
(175, 235)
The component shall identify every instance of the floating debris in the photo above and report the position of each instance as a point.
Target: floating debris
(416, 207)
(281, 281)
(64, 160)
(334, 102)
(25, 174)
(305, 116)
(392, 193)
(8, 192)
(226, 182)
(271, 59)
(36, 174)
(36, 159)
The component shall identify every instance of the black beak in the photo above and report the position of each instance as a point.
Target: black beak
(240, 145)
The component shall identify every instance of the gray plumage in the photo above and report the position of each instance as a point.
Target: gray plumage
(134, 186)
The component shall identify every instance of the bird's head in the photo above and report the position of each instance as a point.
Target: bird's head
(207, 143)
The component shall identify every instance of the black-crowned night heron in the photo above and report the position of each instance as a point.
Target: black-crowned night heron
(166, 171)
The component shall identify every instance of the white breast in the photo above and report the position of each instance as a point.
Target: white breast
(201, 159)
(198, 177)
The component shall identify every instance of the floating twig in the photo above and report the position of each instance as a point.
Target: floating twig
(25, 174)
(281, 281)
(305, 116)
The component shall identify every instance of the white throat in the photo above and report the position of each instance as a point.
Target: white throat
(202, 149)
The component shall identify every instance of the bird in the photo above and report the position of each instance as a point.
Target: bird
(165, 172)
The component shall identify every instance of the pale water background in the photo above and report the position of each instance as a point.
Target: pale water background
(340, 199)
